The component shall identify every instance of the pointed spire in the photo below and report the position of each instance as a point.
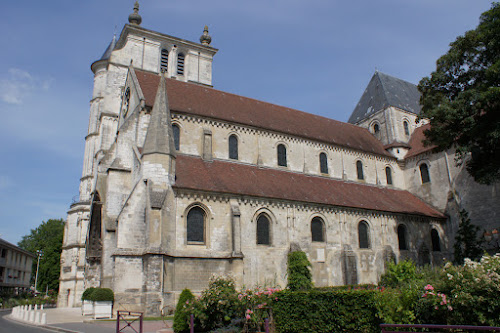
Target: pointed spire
(110, 49)
(205, 39)
(160, 137)
(135, 18)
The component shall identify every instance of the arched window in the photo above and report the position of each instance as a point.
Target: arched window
(323, 163)
(281, 155)
(363, 235)
(359, 168)
(403, 245)
(196, 225)
(180, 64)
(164, 60)
(263, 234)
(317, 230)
(177, 136)
(376, 129)
(436, 244)
(406, 128)
(233, 147)
(424, 173)
(388, 175)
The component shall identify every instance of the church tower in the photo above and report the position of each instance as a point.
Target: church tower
(142, 49)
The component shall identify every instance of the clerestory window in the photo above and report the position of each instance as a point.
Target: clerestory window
(323, 163)
(281, 150)
(196, 225)
(233, 147)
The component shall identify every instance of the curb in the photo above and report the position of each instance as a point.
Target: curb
(47, 327)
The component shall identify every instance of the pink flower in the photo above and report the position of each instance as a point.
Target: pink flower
(429, 287)
(248, 317)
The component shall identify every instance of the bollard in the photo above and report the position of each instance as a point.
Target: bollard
(36, 307)
(37, 318)
(266, 325)
(29, 307)
(191, 328)
(44, 319)
(26, 315)
(32, 316)
(41, 307)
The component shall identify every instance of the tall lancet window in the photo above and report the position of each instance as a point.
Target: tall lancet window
(233, 147)
(388, 175)
(180, 63)
(164, 60)
(323, 163)
(177, 136)
(359, 169)
(281, 155)
(196, 225)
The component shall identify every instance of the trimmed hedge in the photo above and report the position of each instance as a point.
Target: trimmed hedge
(326, 311)
(98, 294)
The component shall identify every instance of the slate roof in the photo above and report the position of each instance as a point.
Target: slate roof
(109, 49)
(417, 142)
(384, 91)
(247, 180)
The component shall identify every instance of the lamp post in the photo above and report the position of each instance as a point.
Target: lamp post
(39, 253)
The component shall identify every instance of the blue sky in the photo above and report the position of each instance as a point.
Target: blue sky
(316, 56)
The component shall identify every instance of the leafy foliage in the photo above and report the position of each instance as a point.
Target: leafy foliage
(326, 311)
(474, 289)
(181, 316)
(462, 99)
(48, 238)
(299, 274)
(399, 274)
(87, 294)
(467, 243)
(98, 294)
(217, 305)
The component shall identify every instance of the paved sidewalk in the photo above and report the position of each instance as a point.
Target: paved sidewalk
(71, 320)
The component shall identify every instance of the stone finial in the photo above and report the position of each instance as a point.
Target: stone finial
(205, 39)
(135, 18)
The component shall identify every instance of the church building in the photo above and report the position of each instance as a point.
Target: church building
(182, 181)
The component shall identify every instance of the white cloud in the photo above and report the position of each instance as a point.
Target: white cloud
(19, 84)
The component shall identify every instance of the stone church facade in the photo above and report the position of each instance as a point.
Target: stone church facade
(182, 181)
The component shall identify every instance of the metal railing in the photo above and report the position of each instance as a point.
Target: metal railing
(442, 328)
(131, 318)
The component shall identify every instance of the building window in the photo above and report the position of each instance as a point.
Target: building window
(388, 175)
(233, 147)
(424, 173)
(376, 130)
(406, 128)
(359, 168)
(364, 238)
(177, 136)
(281, 155)
(180, 64)
(323, 163)
(164, 60)
(436, 244)
(196, 225)
(317, 230)
(263, 234)
(403, 245)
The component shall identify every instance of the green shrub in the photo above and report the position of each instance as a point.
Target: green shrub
(98, 294)
(217, 305)
(326, 311)
(397, 306)
(87, 294)
(181, 316)
(399, 274)
(299, 274)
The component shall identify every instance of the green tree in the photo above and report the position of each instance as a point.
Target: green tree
(181, 316)
(299, 274)
(467, 243)
(48, 238)
(462, 99)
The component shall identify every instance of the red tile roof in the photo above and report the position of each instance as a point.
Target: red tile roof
(417, 142)
(228, 177)
(208, 102)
